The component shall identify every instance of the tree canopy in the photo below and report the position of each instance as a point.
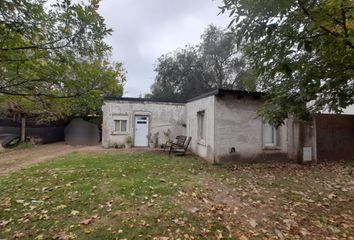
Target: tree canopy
(301, 51)
(53, 58)
(193, 70)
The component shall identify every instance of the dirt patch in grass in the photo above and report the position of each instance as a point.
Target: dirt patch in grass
(205, 193)
(21, 158)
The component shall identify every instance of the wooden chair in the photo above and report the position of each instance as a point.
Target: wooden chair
(179, 142)
(182, 150)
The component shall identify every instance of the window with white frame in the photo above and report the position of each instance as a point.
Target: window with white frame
(120, 124)
(269, 135)
(201, 125)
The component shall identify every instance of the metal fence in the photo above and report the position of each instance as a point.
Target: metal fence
(47, 133)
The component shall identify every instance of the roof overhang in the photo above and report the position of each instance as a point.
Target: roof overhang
(219, 92)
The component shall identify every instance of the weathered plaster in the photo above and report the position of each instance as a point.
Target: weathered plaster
(162, 116)
(204, 148)
(238, 126)
(231, 122)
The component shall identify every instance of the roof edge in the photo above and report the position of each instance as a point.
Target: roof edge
(204, 95)
(242, 93)
(219, 92)
(114, 98)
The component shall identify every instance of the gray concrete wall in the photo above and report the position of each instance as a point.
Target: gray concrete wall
(162, 116)
(293, 132)
(205, 148)
(231, 122)
(301, 134)
(238, 126)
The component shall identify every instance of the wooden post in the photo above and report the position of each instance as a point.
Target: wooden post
(314, 139)
(23, 129)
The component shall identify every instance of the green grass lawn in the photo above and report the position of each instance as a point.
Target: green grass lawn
(154, 196)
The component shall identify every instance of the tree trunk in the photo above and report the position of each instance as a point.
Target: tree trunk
(23, 129)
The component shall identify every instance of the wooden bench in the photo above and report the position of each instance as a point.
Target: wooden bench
(180, 140)
(182, 150)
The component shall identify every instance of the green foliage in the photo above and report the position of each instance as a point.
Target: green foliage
(194, 70)
(155, 139)
(129, 140)
(301, 51)
(53, 59)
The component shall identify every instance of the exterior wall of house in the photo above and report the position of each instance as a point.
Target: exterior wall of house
(201, 147)
(238, 126)
(232, 129)
(162, 116)
(294, 144)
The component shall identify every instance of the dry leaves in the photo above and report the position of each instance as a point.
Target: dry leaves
(89, 220)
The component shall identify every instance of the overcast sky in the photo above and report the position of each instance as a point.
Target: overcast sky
(146, 29)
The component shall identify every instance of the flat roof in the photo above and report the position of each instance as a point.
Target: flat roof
(219, 92)
(130, 99)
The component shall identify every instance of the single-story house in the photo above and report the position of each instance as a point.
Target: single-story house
(224, 126)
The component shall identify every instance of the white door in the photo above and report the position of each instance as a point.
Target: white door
(141, 131)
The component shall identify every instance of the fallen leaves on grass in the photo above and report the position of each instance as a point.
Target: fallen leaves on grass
(18, 235)
(64, 236)
(89, 220)
(74, 213)
(210, 202)
(3, 223)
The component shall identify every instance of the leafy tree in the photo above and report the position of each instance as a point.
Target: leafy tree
(302, 53)
(53, 58)
(194, 70)
(221, 59)
(179, 75)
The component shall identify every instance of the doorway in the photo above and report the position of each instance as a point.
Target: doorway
(141, 131)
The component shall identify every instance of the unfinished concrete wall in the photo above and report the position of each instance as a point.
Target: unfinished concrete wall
(334, 137)
(293, 132)
(238, 126)
(301, 134)
(162, 116)
(205, 147)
